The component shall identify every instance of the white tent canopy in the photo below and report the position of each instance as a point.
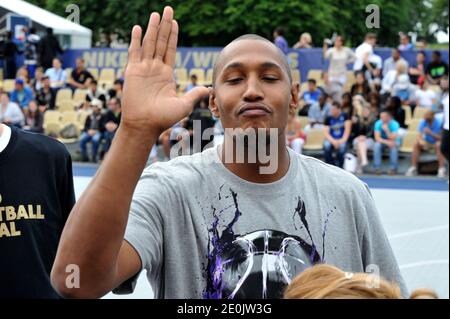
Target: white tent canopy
(80, 37)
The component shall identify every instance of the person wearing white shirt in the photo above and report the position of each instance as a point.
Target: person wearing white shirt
(10, 112)
(424, 97)
(391, 77)
(363, 51)
(57, 75)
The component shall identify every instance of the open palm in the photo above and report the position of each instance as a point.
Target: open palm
(150, 101)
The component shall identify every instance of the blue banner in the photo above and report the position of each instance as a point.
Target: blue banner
(302, 59)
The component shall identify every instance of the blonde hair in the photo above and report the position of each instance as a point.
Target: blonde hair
(329, 282)
(306, 36)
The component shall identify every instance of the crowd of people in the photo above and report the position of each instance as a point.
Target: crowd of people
(368, 117)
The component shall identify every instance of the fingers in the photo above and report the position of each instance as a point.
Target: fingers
(164, 33)
(134, 50)
(149, 42)
(171, 52)
(193, 96)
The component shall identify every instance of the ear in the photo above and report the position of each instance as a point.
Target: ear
(295, 89)
(212, 104)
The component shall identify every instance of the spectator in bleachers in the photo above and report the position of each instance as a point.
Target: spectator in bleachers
(36, 82)
(94, 92)
(417, 71)
(31, 51)
(110, 123)
(445, 127)
(361, 86)
(10, 51)
(34, 119)
(424, 96)
(21, 94)
(386, 136)
(318, 112)
(203, 115)
(57, 75)
(116, 91)
(309, 97)
(429, 139)
(10, 112)
(80, 78)
(295, 137)
(279, 40)
(48, 48)
(391, 78)
(346, 101)
(22, 73)
(374, 103)
(363, 51)
(192, 84)
(421, 43)
(374, 73)
(394, 105)
(364, 139)
(403, 89)
(332, 88)
(405, 42)
(339, 57)
(46, 96)
(436, 68)
(337, 132)
(91, 132)
(390, 64)
(304, 42)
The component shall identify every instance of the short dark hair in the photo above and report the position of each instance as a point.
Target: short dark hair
(253, 37)
(336, 104)
(94, 82)
(279, 30)
(437, 53)
(387, 110)
(194, 76)
(312, 81)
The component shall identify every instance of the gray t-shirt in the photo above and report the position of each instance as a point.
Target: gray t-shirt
(203, 232)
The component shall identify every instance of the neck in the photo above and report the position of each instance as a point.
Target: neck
(267, 169)
(1, 129)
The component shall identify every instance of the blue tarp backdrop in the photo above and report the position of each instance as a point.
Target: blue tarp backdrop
(303, 59)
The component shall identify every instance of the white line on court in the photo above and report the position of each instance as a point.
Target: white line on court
(424, 263)
(419, 231)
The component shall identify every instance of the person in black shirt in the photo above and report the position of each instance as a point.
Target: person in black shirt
(110, 123)
(394, 104)
(36, 197)
(46, 96)
(436, 68)
(80, 78)
(48, 48)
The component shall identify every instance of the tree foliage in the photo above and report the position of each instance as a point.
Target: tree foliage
(215, 23)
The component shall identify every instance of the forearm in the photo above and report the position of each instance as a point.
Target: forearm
(95, 229)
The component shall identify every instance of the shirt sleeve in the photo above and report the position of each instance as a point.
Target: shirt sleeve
(377, 126)
(421, 126)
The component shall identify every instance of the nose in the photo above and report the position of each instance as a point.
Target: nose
(253, 91)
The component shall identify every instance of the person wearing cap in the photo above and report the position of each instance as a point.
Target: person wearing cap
(21, 94)
(91, 132)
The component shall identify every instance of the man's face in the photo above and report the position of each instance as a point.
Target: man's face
(56, 64)
(4, 99)
(79, 63)
(113, 105)
(252, 88)
(18, 87)
(385, 117)
(311, 86)
(429, 116)
(335, 111)
(395, 55)
(435, 58)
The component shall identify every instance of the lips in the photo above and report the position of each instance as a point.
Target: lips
(254, 110)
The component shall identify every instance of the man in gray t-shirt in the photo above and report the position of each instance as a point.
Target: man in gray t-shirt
(210, 225)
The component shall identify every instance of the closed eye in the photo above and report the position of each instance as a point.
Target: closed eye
(234, 80)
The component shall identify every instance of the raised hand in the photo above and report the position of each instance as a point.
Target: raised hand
(150, 102)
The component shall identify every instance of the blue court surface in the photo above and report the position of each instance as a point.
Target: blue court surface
(415, 214)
